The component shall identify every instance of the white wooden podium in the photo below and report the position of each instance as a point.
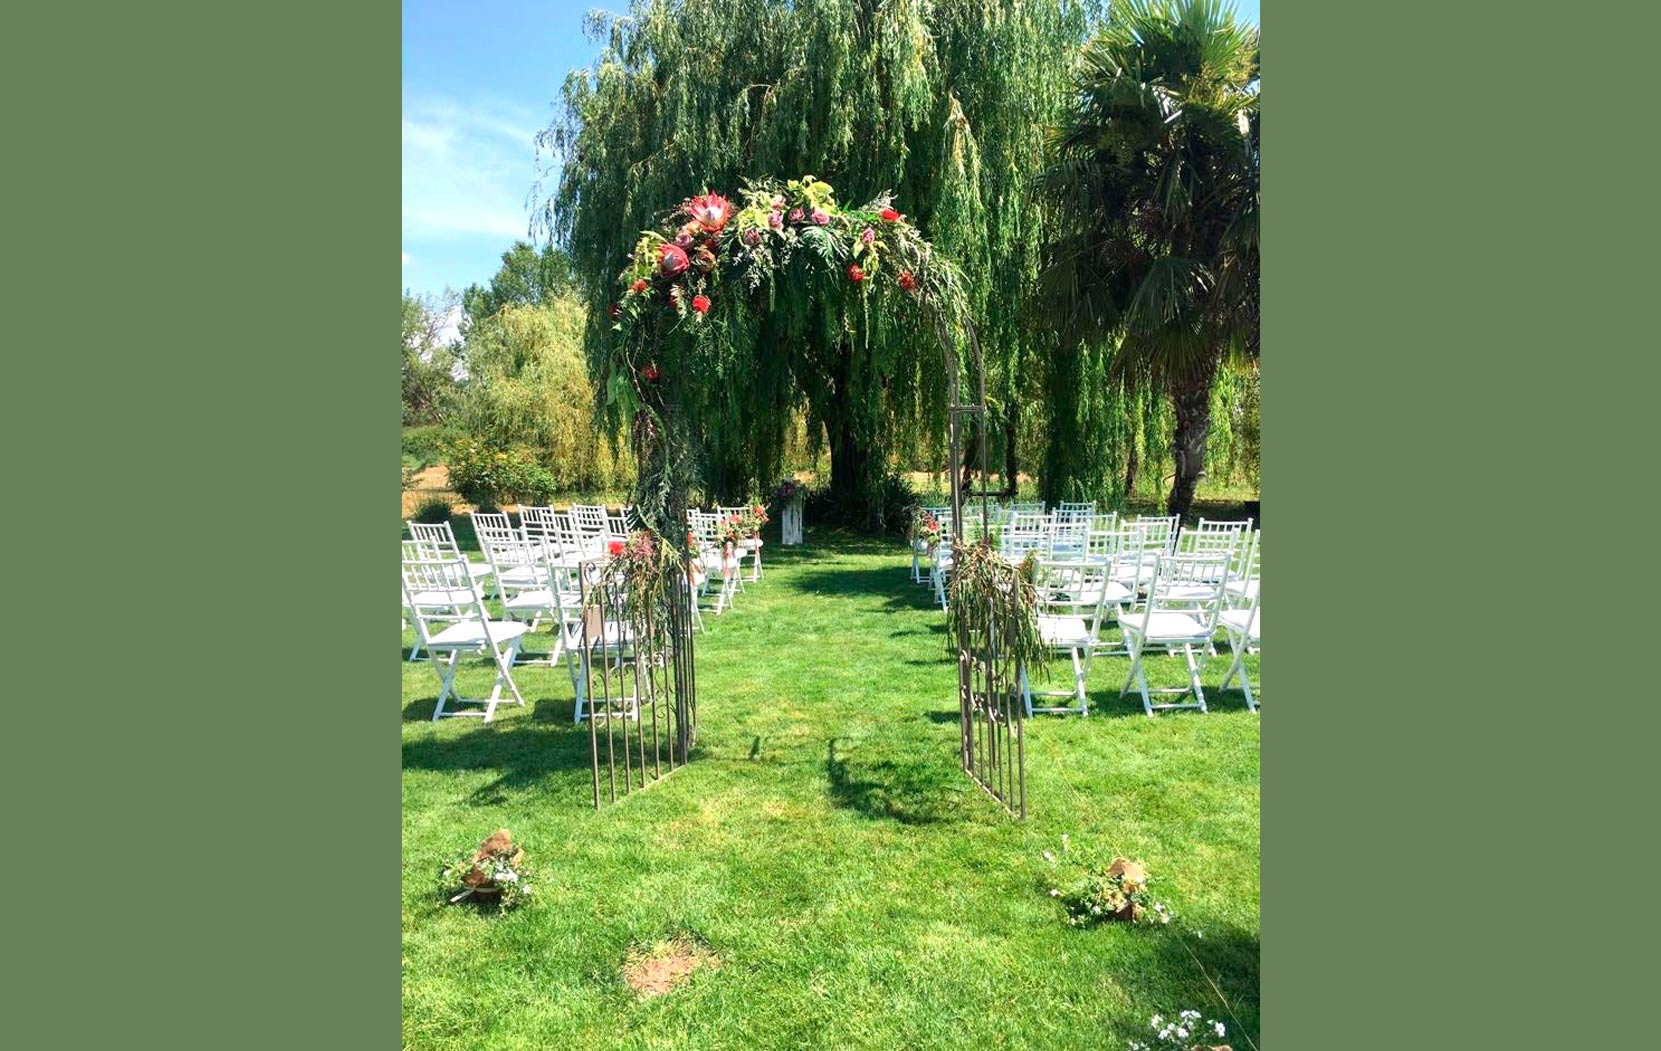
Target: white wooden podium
(790, 525)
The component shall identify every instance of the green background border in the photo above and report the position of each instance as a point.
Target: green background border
(202, 425)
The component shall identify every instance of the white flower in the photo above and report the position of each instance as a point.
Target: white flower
(1199, 934)
(1164, 919)
(1054, 893)
(1064, 841)
(1049, 857)
(1218, 1026)
(1156, 1021)
(510, 875)
(1182, 1034)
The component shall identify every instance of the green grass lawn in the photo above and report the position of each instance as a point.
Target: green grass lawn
(858, 889)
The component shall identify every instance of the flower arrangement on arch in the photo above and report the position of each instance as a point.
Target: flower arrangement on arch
(678, 267)
(787, 491)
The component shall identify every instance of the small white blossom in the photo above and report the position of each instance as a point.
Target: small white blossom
(1182, 1034)
(1054, 893)
(1218, 1026)
(1049, 857)
(1156, 1021)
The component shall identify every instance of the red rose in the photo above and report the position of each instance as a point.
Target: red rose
(671, 260)
(614, 311)
(700, 304)
(890, 214)
(638, 286)
(907, 282)
(855, 273)
(650, 373)
(615, 547)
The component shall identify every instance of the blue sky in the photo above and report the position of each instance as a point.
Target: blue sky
(479, 81)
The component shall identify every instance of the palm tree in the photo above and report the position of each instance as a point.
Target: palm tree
(1155, 181)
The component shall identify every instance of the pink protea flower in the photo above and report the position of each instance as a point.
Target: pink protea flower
(796, 215)
(775, 220)
(820, 216)
(671, 259)
(752, 237)
(778, 202)
(868, 236)
(711, 211)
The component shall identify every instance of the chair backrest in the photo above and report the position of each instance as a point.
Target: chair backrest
(617, 526)
(437, 540)
(1246, 558)
(440, 589)
(1072, 588)
(590, 519)
(504, 546)
(1191, 584)
(1212, 535)
(1156, 534)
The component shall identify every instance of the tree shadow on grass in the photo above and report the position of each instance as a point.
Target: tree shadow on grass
(909, 794)
(1226, 955)
(885, 582)
(522, 755)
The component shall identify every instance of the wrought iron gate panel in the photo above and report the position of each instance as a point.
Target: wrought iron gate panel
(990, 711)
(635, 670)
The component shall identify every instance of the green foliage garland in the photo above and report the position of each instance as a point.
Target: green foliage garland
(788, 258)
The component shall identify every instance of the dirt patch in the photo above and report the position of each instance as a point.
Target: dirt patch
(663, 966)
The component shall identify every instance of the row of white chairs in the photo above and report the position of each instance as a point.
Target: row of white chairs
(535, 571)
(1169, 588)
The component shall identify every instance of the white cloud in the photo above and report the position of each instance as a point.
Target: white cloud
(467, 168)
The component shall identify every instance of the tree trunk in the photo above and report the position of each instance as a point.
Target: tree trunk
(1192, 404)
(1130, 468)
(1012, 468)
(850, 482)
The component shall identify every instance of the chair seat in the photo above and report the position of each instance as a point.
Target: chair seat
(443, 597)
(1064, 631)
(1117, 593)
(1243, 621)
(1246, 589)
(470, 634)
(519, 576)
(1188, 593)
(1164, 626)
(541, 598)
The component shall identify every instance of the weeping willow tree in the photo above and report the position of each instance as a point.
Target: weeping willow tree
(941, 105)
(1153, 276)
(528, 389)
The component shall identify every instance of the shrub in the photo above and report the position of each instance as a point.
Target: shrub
(433, 510)
(424, 446)
(485, 477)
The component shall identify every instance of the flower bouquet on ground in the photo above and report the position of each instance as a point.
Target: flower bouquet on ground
(1185, 1032)
(495, 871)
(1115, 891)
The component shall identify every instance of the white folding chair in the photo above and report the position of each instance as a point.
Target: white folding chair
(1070, 600)
(1244, 629)
(516, 563)
(1242, 621)
(438, 540)
(1173, 617)
(434, 589)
